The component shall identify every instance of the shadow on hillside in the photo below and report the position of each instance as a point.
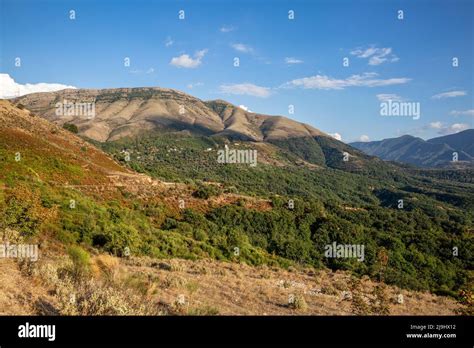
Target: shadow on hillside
(43, 307)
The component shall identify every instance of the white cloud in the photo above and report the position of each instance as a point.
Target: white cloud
(192, 85)
(364, 138)
(375, 55)
(10, 88)
(291, 60)
(463, 113)
(451, 94)
(327, 83)
(366, 53)
(226, 29)
(444, 129)
(243, 107)
(336, 136)
(246, 89)
(200, 54)
(436, 125)
(454, 128)
(185, 61)
(242, 48)
(387, 97)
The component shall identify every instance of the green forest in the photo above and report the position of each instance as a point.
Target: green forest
(428, 243)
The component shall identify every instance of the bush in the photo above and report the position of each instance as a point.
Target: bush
(206, 191)
(200, 235)
(91, 297)
(359, 305)
(81, 263)
(71, 127)
(204, 310)
(298, 302)
(107, 266)
(380, 305)
(24, 211)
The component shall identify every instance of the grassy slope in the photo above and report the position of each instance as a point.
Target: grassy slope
(110, 210)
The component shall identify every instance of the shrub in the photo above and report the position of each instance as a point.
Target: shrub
(25, 211)
(200, 235)
(107, 266)
(329, 290)
(81, 264)
(206, 191)
(71, 127)
(380, 305)
(91, 297)
(358, 304)
(298, 302)
(204, 310)
(466, 298)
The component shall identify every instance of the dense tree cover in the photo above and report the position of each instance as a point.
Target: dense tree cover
(355, 205)
(186, 159)
(419, 247)
(459, 175)
(411, 247)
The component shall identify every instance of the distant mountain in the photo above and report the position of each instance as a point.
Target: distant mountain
(463, 141)
(436, 152)
(125, 112)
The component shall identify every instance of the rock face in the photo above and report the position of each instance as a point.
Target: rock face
(125, 112)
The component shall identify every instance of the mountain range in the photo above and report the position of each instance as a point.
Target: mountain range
(125, 113)
(436, 152)
(128, 112)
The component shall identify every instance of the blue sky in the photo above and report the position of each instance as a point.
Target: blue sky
(282, 62)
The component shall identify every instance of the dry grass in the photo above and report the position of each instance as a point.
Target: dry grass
(143, 286)
(239, 289)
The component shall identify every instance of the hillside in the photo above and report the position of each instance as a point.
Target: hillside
(436, 152)
(125, 112)
(185, 205)
(463, 141)
(202, 287)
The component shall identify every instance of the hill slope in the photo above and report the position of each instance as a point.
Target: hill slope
(462, 141)
(128, 111)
